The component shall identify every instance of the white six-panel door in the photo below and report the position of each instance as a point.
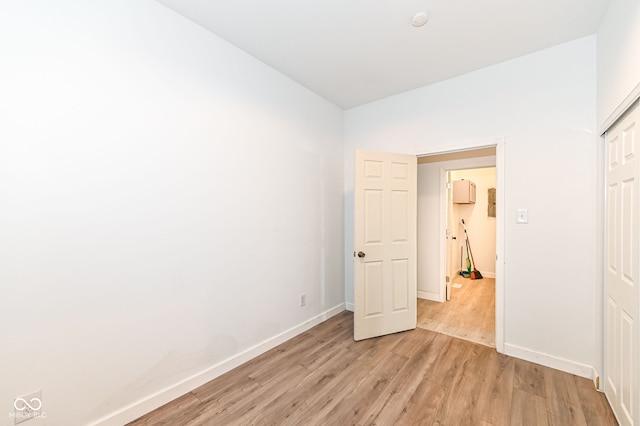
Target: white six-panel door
(385, 243)
(622, 258)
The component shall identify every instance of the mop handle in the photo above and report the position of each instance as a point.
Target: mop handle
(468, 244)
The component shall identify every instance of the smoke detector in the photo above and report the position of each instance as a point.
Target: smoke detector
(420, 19)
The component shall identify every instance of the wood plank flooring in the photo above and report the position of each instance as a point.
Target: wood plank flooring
(419, 377)
(469, 315)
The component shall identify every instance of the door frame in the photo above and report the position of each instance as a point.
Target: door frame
(499, 144)
(445, 206)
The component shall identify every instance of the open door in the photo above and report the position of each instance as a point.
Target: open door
(451, 237)
(385, 244)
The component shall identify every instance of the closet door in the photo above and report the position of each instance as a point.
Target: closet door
(622, 297)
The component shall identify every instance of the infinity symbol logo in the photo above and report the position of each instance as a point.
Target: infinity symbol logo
(21, 404)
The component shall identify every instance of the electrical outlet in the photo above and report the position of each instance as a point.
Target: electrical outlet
(27, 407)
(303, 299)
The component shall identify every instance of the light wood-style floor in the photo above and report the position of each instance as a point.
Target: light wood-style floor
(469, 315)
(419, 377)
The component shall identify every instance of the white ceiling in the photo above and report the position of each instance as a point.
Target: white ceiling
(355, 51)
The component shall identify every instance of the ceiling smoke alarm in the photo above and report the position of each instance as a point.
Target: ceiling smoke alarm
(420, 19)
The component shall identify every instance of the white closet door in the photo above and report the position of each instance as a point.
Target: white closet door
(622, 296)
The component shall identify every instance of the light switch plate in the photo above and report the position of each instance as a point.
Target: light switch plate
(522, 216)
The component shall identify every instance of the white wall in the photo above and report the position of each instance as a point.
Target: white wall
(544, 106)
(618, 56)
(429, 231)
(480, 227)
(166, 198)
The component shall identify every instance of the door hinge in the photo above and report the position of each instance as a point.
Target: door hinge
(448, 185)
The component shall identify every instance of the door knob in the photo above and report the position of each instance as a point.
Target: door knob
(361, 254)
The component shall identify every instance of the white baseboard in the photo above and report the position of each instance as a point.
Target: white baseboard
(158, 399)
(484, 274)
(552, 361)
(349, 306)
(429, 295)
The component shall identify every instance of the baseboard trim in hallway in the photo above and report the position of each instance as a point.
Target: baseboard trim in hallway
(551, 361)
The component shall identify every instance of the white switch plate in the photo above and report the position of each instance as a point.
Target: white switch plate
(522, 216)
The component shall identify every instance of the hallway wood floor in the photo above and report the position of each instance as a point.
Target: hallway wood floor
(469, 315)
(419, 377)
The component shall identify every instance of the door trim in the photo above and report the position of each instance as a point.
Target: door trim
(624, 106)
(499, 144)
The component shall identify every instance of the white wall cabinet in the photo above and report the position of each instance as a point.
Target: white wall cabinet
(464, 192)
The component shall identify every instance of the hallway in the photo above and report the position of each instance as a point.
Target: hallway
(469, 315)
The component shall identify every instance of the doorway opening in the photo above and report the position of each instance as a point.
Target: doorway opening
(449, 302)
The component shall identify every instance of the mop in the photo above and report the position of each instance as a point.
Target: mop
(465, 274)
(474, 274)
